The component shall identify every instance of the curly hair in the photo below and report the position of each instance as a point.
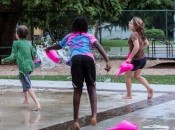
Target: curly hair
(139, 27)
(80, 25)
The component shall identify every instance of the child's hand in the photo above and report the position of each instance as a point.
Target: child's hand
(108, 66)
(46, 49)
(128, 60)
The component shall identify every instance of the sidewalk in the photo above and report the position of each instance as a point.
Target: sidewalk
(57, 114)
(100, 85)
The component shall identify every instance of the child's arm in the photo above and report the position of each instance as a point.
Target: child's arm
(134, 51)
(146, 43)
(12, 56)
(58, 45)
(53, 47)
(102, 52)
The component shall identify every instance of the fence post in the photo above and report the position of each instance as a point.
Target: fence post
(32, 34)
(166, 17)
(174, 24)
(100, 29)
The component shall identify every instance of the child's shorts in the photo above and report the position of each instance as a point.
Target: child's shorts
(139, 64)
(25, 81)
(83, 68)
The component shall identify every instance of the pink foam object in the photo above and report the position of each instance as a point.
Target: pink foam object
(124, 67)
(53, 56)
(124, 125)
(35, 61)
(128, 55)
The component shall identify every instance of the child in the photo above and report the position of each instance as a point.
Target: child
(23, 54)
(82, 65)
(137, 42)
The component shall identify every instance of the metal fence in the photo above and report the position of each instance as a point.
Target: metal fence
(58, 25)
(161, 47)
(117, 28)
(157, 19)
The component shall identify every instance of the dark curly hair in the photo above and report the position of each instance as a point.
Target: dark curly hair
(80, 25)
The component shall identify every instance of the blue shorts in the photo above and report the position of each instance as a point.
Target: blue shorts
(83, 69)
(25, 81)
(139, 64)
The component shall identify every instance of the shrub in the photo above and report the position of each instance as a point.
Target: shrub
(39, 42)
(155, 34)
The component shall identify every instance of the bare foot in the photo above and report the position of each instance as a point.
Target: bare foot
(25, 102)
(150, 93)
(93, 121)
(76, 126)
(127, 97)
(36, 109)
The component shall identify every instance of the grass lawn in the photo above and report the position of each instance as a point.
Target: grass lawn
(152, 79)
(106, 43)
(114, 43)
(123, 43)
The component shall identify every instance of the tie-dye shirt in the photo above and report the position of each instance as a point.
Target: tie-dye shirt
(79, 44)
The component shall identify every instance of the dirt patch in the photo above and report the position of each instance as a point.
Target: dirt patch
(153, 67)
(170, 65)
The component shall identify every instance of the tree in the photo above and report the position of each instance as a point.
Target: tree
(149, 4)
(11, 10)
(91, 9)
(150, 17)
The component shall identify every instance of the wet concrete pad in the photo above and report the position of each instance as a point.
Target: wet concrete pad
(159, 117)
(56, 107)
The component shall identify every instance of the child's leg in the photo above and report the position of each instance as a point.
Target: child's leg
(143, 81)
(26, 99)
(128, 80)
(26, 84)
(33, 95)
(76, 106)
(93, 102)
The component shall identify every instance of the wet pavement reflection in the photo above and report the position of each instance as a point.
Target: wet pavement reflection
(57, 113)
(159, 117)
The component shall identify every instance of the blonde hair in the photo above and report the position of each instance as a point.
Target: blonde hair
(139, 26)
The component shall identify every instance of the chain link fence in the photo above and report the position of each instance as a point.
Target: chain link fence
(153, 19)
(58, 25)
(47, 26)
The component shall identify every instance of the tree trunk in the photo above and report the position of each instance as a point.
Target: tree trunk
(9, 16)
